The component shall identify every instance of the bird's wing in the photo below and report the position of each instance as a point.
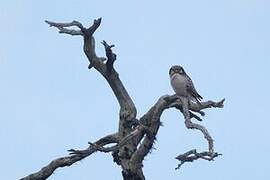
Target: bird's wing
(191, 89)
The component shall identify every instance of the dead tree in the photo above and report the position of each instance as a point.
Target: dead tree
(135, 136)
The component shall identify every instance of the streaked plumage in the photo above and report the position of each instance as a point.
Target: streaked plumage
(182, 84)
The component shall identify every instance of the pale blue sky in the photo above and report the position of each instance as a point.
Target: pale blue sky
(51, 102)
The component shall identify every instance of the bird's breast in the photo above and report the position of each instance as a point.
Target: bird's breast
(179, 84)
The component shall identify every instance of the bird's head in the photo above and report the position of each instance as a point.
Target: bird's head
(177, 69)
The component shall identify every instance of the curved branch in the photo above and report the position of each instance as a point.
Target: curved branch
(191, 125)
(46, 171)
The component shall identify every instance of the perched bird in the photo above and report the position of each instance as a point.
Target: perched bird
(182, 84)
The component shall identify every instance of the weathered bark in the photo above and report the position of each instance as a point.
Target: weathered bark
(135, 136)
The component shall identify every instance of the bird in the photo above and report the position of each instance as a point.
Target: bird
(182, 84)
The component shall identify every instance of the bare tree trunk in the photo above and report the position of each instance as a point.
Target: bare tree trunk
(133, 175)
(135, 136)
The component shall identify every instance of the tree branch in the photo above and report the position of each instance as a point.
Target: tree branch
(46, 171)
(152, 120)
(62, 27)
(128, 109)
(192, 155)
(111, 57)
(204, 105)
